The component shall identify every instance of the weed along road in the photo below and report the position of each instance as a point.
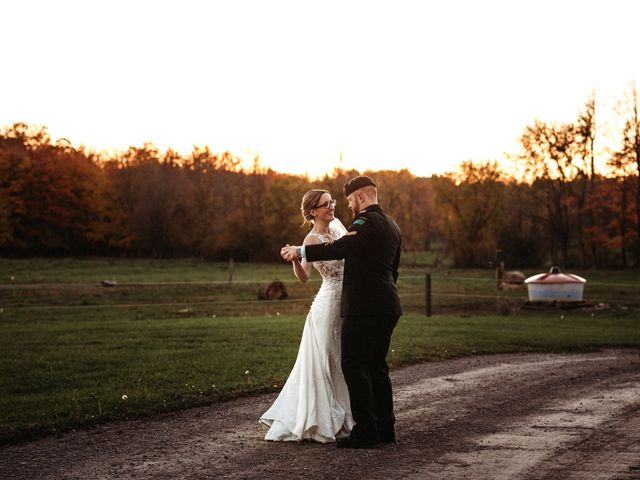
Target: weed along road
(508, 416)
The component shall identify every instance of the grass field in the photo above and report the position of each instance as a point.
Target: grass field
(168, 336)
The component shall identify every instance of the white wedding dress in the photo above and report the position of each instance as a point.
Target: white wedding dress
(314, 402)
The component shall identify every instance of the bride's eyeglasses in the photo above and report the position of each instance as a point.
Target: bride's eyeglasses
(329, 204)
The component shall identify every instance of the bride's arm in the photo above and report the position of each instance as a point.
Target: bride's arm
(302, 268)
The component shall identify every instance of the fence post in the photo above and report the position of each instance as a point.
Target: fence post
(230, 279)
(427, 293)
(499, 268)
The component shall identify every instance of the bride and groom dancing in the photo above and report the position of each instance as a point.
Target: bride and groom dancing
(339, 388)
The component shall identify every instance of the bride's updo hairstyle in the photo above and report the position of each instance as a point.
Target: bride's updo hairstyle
(310, 200)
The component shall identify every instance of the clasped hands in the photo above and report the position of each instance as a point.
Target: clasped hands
(289, 252)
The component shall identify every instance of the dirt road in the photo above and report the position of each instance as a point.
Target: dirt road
(526, 416)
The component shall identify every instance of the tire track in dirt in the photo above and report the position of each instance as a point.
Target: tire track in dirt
(521, 416)
(611, 451)
(530, 448)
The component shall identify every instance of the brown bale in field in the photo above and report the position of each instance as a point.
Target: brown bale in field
(512, 281)
(513, 277)
(275, 290)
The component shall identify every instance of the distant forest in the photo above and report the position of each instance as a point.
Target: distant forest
(59, 200)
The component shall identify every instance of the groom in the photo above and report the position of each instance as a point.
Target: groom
(370, 307)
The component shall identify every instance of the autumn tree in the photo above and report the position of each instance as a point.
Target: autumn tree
(518, 233)
(626, 160)
(14, 164)
(470, 199)
(613, 210)
(282, 222)
(242, 235)
(49, 191)
(210, 198)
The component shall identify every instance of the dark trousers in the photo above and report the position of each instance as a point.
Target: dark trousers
(365, 343)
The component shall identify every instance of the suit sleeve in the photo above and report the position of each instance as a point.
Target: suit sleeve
(357, 235)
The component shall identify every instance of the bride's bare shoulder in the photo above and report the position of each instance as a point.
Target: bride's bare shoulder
(311, 239)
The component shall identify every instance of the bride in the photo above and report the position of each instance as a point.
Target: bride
(314, 402)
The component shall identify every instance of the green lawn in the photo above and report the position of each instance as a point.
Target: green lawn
(64, 371)
(127, 270)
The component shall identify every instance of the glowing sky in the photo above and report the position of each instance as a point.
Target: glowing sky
(394, 84)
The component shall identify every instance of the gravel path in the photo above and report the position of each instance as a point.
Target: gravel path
(522, 416)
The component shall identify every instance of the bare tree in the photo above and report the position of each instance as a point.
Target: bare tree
(586, 137)
(549, 152)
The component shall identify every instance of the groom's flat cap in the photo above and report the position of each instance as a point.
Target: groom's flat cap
(357, 183)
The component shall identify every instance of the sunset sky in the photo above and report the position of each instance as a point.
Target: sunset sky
(394, 84)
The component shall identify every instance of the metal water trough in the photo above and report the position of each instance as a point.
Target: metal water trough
(555, 286)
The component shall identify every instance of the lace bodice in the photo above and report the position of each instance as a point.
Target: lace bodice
(331, 270)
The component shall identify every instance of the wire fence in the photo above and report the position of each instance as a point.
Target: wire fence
(426, 294)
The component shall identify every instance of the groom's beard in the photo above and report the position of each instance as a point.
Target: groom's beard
(355, 210)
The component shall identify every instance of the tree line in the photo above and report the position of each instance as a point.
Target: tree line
(555, 208)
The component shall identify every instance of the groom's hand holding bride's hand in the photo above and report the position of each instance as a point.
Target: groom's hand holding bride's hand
(289, 252)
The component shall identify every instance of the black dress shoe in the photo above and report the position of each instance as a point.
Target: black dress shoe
(356, 443)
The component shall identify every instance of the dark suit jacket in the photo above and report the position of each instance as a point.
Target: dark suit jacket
(371, 250)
